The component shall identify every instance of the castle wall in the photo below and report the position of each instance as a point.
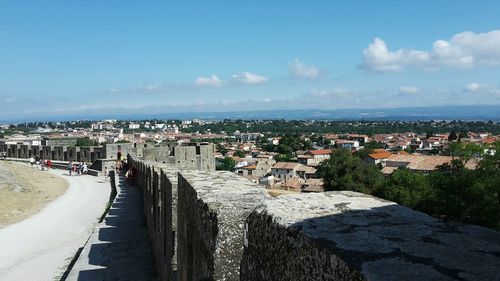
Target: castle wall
(228, 228)
(351, 236)
(212, 208)
(157, 203)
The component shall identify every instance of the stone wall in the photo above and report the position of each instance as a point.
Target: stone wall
(212, 209)
(207, 236)
(191, 156)
(228, 228)
(352, 236)
(58, 153)
(157, 202)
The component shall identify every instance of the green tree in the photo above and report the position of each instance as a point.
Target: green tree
(223, 150)
(282, 158)
(227, 164)
(408, 188)
(284, 149)
(453, 136)
(343, 171)
(363, 153)
(374, 145)
(239, 153)
(464, 151)
(84, 142)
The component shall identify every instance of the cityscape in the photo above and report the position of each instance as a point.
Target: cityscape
(249, 141)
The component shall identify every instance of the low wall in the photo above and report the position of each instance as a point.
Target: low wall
(228, 228)
(351, 236)
(212, 209)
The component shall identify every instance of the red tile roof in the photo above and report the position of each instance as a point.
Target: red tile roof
(380, 155)
(319, 151)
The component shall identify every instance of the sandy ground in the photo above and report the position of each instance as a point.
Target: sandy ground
(41, 246)
(25, 190)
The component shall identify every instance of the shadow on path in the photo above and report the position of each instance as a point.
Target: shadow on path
(120, 248)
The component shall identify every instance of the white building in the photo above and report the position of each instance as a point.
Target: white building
(289, 170)
(348, 144)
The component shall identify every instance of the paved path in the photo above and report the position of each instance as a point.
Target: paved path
(40, 247)
(119, 248)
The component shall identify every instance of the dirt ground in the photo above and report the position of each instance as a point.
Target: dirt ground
(25, 190)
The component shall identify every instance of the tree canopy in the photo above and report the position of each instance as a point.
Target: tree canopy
(452, 192)
(343, 171)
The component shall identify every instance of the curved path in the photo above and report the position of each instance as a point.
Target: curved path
(40, 247)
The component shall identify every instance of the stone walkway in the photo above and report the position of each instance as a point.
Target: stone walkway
(119, 248)
(41, 246)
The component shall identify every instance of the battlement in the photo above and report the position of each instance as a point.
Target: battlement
(198, 156)
(228, 228)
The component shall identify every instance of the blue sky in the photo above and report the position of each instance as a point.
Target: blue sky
(86, 57)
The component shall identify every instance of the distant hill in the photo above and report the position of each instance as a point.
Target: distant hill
(476, 112)
(411, 113)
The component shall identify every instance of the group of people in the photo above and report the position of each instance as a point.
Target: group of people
(121, 167)
(78, 168)
(41, 164)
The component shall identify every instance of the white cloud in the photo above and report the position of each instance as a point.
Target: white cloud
(472, 87)
(464, 50)
(323, 94)
(250, 78)
(301, 70)
(152, 87)
(482, 89)
(408, 90)
(212, 81)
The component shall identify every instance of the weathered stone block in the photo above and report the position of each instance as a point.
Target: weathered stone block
(212, 208)
(352, 236)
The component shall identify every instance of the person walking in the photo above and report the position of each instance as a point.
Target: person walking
(85, 168)
(106, 172)
(70, 167)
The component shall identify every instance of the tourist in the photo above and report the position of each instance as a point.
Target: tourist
(49, 164)
(70, 167)
(85, 168)
(117, 167)
(106, 174)
(128, 176)
(32, 161)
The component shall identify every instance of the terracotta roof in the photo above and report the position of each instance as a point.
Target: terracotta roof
(357, 136)
(380, 155)
(294, 183)
(286, 165)
(306, 169)
(388, 170)
(319, 151)
(250, 167)
(489, 140)
(237, 159)
(304, 156)
(425, 162)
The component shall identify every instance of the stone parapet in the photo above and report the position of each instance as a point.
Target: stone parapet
(212, 209)
(224, 227)
(351, 236)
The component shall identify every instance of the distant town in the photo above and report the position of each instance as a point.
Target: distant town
(282, 155)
